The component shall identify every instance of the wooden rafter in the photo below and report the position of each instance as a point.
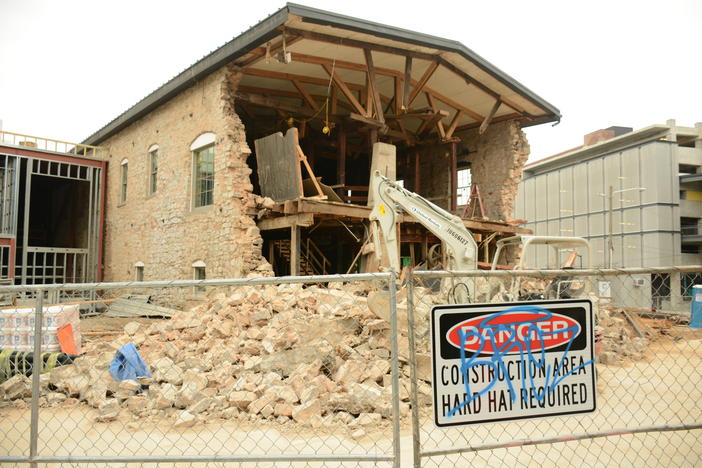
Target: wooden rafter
(502, 118)
(309, 100)
(454, 124)
(320, 37)
(489, 117)
(288, 94)
(373, 86)
(265, 101)
(397, 99)
(259, 53)
(419, 87)
(439, 123)
(408, 83)
(343, 87)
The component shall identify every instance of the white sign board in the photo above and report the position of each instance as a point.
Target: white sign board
(501, 362)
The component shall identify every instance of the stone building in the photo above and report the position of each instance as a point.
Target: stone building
(184, 181)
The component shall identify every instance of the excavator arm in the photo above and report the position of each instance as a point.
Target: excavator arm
(458, 242)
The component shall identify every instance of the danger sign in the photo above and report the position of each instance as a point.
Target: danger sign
(512, 361)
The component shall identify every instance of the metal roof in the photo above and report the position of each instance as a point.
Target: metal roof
(453, 53)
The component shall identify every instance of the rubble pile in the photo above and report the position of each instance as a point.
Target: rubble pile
(620, 340)
(317, 356)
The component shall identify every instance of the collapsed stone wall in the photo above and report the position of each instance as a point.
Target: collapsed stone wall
(162, 230)
(496, 160)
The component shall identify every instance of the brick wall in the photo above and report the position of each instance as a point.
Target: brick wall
(162, 230)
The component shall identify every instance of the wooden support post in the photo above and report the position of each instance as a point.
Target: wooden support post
(398, 95)
(373, 87)
(416, 171)
(295, 250)
(341, 162)
(454, 177)
(408, 82)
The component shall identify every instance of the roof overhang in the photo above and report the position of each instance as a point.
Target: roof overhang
(454, 83)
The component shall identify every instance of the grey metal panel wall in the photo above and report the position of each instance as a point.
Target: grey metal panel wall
(569, 201)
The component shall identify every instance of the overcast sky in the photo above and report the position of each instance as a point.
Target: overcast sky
(69, 67)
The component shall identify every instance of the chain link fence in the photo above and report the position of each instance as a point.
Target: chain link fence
(263, 372)
(648, 379)
(330, 371)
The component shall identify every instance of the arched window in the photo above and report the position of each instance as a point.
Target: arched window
(203, 169)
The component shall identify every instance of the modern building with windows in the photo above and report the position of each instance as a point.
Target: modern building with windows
(635, 195)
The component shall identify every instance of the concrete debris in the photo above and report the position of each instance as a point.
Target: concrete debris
(313, 355)
(17, 386)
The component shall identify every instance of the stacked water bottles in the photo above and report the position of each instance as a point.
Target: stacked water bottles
(17, 327)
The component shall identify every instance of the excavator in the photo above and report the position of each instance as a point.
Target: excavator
(459, 244)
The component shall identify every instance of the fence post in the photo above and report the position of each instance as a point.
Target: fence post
(36, 374)
(395, 371)
(414, 400)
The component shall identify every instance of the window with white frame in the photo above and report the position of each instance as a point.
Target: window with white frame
(464, 185)
(153, 169)
(139, 271)
(199, 273)
(123, 182)
(203, 170)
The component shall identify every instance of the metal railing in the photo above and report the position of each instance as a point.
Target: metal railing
(49, 144)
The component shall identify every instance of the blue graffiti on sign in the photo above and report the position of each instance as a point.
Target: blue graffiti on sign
(486, 333)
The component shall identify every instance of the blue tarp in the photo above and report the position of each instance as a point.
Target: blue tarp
(128, 364)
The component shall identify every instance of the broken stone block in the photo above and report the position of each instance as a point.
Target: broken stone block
(350, 372)
(108, 411)
(283, 393)
(129, 385)
(366, 419)
(165, 370)
(185, 419)
(376, 370)
(165, 396)
(306, 412)
(202, 404)
(132, 328)
(55, 398)
(283, 409)
(241, 399)
(258, 404)
(137, 404)
(17, 386)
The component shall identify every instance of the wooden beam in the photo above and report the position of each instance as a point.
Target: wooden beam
(398, 95)
(454, 124)
(368, 121)
(422, 82)
(305, 95)
(439, 123)
(489, 117)
(304, 58)
(260, 52)
(373, 85)
(334, 99)
(333, 208)
(454, 177)
(295, 250)
(320, 37)
(408, 82)
(455, 105)
(341, 161)
(501, 118)
(346, 42)
(344, 89)
(291, 76)
(278, 105)
(417, 179)
(302, 219)
(289, 94)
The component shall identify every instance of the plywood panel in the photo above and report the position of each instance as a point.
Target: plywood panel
(279, 172)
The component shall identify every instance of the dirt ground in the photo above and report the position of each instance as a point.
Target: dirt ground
(663, 389)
